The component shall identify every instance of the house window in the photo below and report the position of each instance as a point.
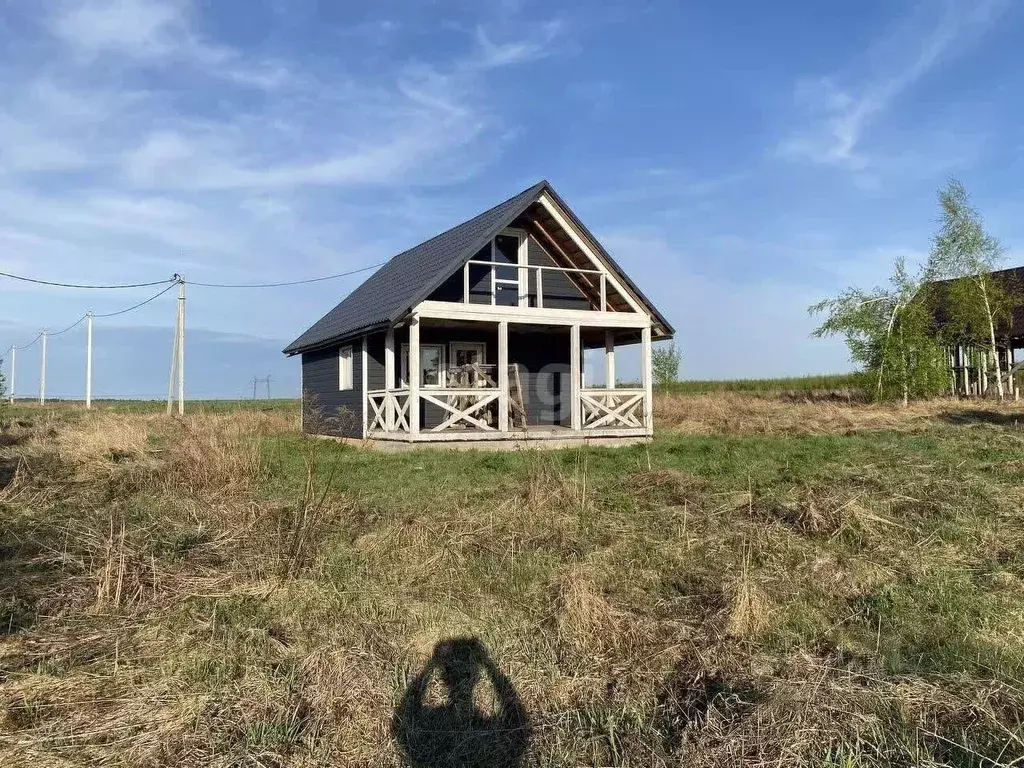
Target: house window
(431, 365)
(508, 252)
(345, 368)
(468, 353)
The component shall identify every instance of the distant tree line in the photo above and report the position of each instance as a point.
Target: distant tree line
(900, 335)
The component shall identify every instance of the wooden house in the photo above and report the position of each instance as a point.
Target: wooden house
(497, 312)
(972, 367)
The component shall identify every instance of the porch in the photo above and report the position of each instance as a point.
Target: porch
(532, 389)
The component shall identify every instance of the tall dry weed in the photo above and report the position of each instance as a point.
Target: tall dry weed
(215, 455)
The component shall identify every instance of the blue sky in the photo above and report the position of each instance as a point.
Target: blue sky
(740, 159)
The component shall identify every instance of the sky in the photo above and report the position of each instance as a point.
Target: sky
(741, 160)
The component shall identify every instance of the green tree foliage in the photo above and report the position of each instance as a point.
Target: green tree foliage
(890, 334)
(665, 362)
(965, 255)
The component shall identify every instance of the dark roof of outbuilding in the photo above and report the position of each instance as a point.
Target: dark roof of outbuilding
(1011, 281)
(393, 289)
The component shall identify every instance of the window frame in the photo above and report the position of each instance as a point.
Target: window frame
(476, 346)
(346, 368)
(403, 366)
(522, 253)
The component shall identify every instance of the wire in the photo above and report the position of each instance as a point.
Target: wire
(292, 282)
(107, 314)
(140, 304)
(79, 285)
(58, 333)
(26, 346)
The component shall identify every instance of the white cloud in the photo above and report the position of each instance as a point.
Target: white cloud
(841, 108)
(138, 28)
(517, 51)
(151, 31)
(134, 146)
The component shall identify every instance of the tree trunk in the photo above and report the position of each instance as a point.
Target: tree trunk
(992, 339)
(905, 359)
(885, 346)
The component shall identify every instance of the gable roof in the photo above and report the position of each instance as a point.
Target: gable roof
(394, 288)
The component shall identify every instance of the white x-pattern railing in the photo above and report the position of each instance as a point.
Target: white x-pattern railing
(612, 408)
(389, 410)
(463, 408)
(474, 408)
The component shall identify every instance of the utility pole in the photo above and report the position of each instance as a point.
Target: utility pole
(42, 374)
(181, 346)
(268, 386)
(254, 380)
(14, 357)
(174, 350)
(88, 359)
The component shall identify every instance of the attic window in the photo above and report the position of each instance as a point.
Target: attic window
(505, 281)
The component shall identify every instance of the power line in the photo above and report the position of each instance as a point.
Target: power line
(292, 282)
(107, 314)
(26, 346)
(58, 333)
(140, 304)
(91, 287)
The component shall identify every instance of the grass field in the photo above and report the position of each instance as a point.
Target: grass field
(767, 583)
(823, 383)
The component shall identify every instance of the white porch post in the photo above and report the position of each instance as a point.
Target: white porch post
(389, 380)
(415, 366)
(503, 376)
(609, 359)
(575, 412)
(365, 385)
(648, 374)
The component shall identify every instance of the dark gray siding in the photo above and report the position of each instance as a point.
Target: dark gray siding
(479, 286)
(326, 409)
(375, 361)
(544, 367)
(559, 291)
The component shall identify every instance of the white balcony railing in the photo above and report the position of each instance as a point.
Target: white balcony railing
(498, 276)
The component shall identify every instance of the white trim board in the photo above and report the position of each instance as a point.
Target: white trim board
(451, 310)
(554, 209)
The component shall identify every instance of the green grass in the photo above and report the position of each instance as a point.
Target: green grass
(832, 381)
(731, 599)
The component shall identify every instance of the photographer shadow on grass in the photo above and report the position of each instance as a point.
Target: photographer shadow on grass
(452, 729)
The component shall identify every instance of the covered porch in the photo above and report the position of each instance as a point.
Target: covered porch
(518, 378)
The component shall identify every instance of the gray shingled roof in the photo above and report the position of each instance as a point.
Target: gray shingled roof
(392, 290)
(389, 292)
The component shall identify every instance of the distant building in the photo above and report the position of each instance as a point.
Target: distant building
(972, 369)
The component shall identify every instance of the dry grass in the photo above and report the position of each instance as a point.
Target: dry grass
(767, 584)
(735, 414)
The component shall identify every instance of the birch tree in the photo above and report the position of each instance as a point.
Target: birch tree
(890, 334)
(966, 255)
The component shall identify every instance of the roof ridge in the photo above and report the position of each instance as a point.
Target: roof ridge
(538, 185)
